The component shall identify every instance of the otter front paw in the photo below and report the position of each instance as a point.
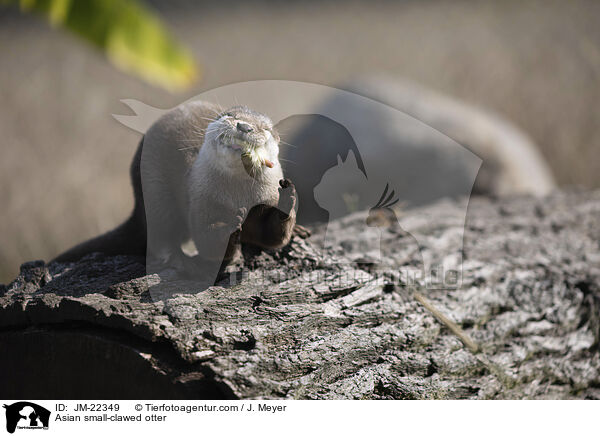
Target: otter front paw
(236, 236)
(287, 197)
(240, 216)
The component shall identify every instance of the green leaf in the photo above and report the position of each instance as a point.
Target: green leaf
(132, 37)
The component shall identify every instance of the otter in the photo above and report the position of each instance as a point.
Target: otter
(208, 175)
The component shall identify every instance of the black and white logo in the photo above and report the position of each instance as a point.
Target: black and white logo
(26, 415)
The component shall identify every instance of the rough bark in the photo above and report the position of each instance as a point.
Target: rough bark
(299, 327)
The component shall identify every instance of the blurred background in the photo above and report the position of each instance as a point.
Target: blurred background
(64, 160)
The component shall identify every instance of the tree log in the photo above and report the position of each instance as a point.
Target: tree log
(298, 326)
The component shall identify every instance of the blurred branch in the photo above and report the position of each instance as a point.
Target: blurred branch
(132, 37)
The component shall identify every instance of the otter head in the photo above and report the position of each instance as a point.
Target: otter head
(243, 139)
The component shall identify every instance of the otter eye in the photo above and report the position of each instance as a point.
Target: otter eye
(227, 114)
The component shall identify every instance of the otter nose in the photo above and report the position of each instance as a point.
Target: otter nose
(244, 127)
